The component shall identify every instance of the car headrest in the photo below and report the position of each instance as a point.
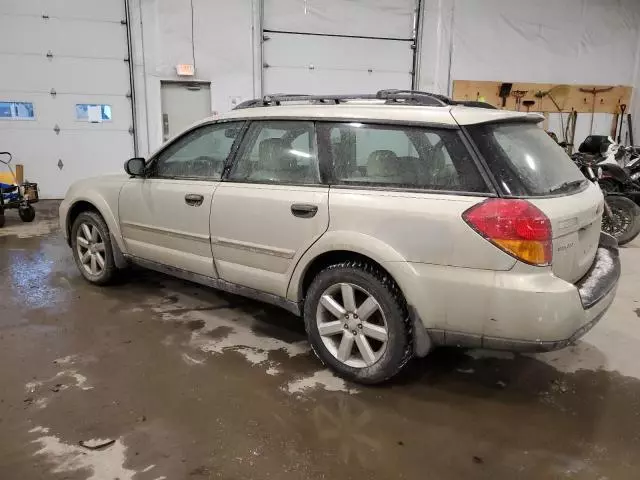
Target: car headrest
(383, 163)
(274, 155)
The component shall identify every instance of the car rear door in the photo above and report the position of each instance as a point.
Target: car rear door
(164, 216)
(271, 207)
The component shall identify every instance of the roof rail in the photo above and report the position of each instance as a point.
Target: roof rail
(278, 99)
(413, 97)
(399, 97)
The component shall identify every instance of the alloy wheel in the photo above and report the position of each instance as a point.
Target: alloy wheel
(352, 325)
(91, 249)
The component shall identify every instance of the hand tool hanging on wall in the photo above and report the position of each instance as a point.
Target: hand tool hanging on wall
(518, 94)
(623, 108)
(558, 96)
(528, 104)
(505, 91)
(570, 131)
(630, 127)
(614, 125)
(594, 92)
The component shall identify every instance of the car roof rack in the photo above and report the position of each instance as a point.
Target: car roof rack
(396, 97)
(417, 97)
(390, 97)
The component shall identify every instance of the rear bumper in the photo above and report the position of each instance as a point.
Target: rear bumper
(525, 309)
(603, 275)
(533, 346)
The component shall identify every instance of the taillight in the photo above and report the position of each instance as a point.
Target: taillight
(515, 226)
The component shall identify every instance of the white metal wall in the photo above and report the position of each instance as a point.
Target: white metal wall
(87, 47)
(546, 41)
(337, 46)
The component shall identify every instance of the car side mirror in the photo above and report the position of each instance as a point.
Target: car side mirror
(135, 166)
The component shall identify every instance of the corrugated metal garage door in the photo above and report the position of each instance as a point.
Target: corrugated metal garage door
(66, 58)
(338, 46)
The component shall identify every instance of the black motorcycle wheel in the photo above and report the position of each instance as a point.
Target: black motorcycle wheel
(624, 223)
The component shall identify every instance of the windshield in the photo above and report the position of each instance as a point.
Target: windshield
(525, 160)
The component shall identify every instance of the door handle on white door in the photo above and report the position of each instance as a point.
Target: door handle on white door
(304, 210)
(193, 199)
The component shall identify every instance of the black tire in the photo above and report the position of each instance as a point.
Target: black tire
(27, 214)
(2, 219)
(109, 271)
(399, 346)
(622, 207)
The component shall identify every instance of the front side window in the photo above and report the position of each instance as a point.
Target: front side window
(278, 152)
(199, 154)
(400, 156)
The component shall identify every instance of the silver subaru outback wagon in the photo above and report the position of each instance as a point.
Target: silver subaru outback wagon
(392, 223)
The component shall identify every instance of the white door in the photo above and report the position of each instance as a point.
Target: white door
(164, 217)
(183, 104)
(271, 208)
(68, 62)
(368, 46)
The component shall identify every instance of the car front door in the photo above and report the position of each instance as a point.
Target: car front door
(164, 217)
(271, 208)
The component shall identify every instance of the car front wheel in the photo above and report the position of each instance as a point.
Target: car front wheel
(357, 322)
(92, 250)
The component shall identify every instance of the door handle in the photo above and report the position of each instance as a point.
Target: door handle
(304, 210)
(193, 200)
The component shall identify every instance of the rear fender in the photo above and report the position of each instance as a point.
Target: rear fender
(632, 195)
(355, 242)
(615, 172)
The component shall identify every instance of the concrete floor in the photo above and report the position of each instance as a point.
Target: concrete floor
(191, 383)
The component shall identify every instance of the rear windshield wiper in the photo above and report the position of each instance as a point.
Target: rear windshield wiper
(567, 185)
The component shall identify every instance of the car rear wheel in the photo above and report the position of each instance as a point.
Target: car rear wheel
(92, 250)
(357, 322)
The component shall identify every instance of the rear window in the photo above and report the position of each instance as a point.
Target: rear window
(525, 160)
(399, 156)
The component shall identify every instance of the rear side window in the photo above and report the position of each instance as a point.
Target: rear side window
(277, 152)
(525, 160)
(400, 156)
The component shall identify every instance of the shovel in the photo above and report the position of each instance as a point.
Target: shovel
(594, 92)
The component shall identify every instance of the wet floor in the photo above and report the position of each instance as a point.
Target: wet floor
(168, 380)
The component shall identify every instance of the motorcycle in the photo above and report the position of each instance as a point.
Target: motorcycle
(621, 217)
(620, 164)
